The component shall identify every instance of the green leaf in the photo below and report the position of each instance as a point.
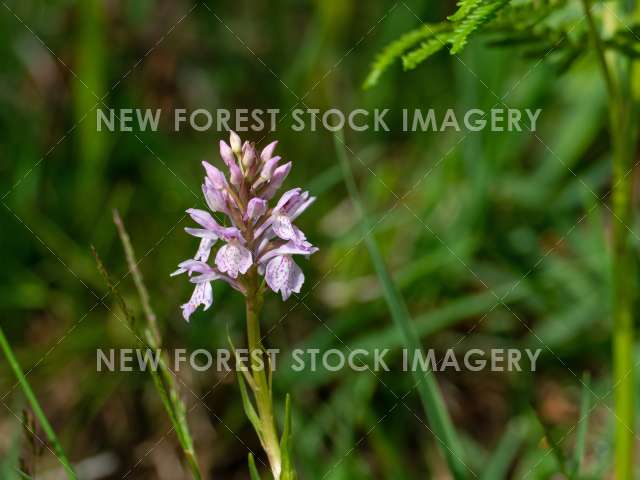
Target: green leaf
(583, 425)
(288, 473)
(35, 406)
(506, 450)
(248, 406)
(253, 471)
(23, 475)
(556, 449)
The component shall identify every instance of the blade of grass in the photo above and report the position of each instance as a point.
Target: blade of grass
(253, 471)
(583, 425)
(506, 450)
(23, 475)
(428, 390)
(137, 277)
(556, 449)
(35, 406)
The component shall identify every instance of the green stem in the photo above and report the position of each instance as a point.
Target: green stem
(599, 47)
(262, 391)
(623, 272)
(623, 136)
(35, 405)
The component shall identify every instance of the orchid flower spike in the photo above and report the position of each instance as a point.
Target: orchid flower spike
(260, 240)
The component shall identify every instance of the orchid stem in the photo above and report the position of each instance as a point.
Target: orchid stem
(262, 390)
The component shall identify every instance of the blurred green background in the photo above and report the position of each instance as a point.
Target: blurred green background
(503, 243)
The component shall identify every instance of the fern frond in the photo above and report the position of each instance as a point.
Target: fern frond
(396, 48)
(464, 8)
(474, 20)
(537, 26)
(415, 57)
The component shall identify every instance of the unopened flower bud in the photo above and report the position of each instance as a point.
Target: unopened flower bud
(256, 208)
(215, 176)
(248, 155)
(277, 179)
(236, 143)
(269, 167)
(267, 151)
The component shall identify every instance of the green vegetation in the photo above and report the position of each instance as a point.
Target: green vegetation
(428, 239)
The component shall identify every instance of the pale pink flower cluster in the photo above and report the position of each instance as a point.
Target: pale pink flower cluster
(258, 237)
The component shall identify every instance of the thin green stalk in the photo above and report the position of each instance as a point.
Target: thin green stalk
(163, 378)
(137, 277)
(622, 108)
(261, 387)
(35, 406)
(426, 384)
(623, 274)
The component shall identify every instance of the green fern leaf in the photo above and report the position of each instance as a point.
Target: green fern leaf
(395, 50)
(414, 58)
(477, 18)
(464, 8)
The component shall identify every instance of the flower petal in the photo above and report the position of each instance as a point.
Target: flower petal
(208, 222)
(191, 266)
(284, 276)
(201, 233)
(233, 258)
(215, 198)
(256, 208)
(282, 227)
(289, 248)
(287, 198)
(204, 249)
(301, 208)
(215, 176)
(202, 295)
(204, 218)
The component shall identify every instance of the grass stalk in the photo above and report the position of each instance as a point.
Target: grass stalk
(426, 384)
(35, 406)
(622, 108)
(163, 379)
